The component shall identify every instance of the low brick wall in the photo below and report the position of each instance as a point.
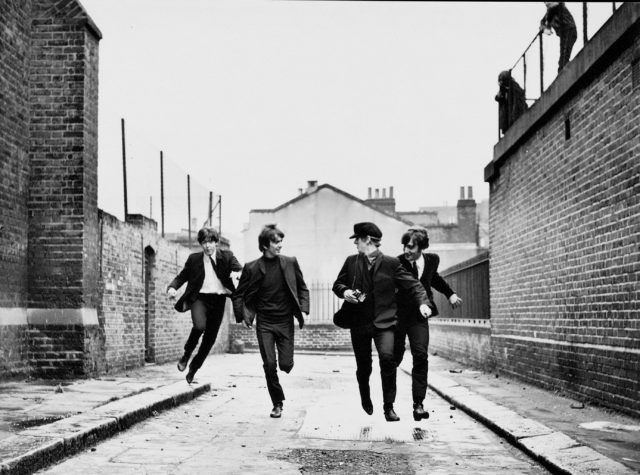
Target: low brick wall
(463, 340)
(318, 337)
(13, 351)
(138, 321)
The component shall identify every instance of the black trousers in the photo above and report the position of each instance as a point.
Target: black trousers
(272, 336)
(206, 313)
(418, 334)
(567, 40)
(361, 338)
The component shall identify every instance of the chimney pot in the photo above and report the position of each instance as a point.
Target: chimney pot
(469, 192)
(384, 192)
(369, 197)
(462, 192)
(391, 192)
(377, 193)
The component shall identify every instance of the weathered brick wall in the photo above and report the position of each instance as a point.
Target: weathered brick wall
(80, 293)
(14, 347)
(62, 199)
(465, 340)
(48, 204)
(130, 253)
(564, 227)
(14, 146)
(63, 156)
(319, 337)
(14, 176)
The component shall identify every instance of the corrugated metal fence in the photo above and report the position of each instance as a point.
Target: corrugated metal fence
(470, 280)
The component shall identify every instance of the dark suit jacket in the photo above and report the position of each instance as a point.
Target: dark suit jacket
(429, 278)
(245, 297)
(388, 275)
(193, 274)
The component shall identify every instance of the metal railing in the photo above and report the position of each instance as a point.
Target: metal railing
(538, 50)
(323, 303)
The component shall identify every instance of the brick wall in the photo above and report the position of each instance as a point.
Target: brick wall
(318, 337)
(461, 339)
(134, 313)
(81, 293)
(62, 198)
(14, 145)
(564, 227)
(14, 176)
(63, 156)
(48, 204)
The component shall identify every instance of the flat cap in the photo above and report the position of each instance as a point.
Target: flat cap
(366, 229)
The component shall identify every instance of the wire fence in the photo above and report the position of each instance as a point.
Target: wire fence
(156, 186)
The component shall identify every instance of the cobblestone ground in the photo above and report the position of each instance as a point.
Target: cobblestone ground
(322, 430)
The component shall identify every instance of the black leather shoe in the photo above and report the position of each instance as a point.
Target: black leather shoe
(182, 364)
(390, 415)
(367, 406)
(276, 411)
(190, 374)
(419, 413)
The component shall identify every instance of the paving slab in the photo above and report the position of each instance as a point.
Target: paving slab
(539, 422)
(39, 446)
(547, 425)
(569, 456)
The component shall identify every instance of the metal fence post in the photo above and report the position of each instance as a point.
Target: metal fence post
(584, 23)
(541, 65)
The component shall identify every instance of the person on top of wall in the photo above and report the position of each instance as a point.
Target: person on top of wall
(272, 291)
(560, 19)
(209, 283)
(424, 267)
(368, 282)
(511, 100)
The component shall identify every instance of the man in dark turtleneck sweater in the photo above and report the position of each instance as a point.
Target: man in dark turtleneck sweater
(272, 290)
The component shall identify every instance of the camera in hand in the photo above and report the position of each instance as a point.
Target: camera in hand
(359, 295)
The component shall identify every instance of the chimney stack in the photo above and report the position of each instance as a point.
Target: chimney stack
(311, 185)
(383, 201)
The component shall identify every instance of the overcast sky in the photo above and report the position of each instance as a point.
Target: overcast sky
(253, 98)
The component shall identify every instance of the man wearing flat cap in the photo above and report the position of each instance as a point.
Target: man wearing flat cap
(367, 282)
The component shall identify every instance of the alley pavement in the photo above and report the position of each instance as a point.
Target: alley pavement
(44, 423)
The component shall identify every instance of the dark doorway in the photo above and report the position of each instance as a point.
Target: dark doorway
(149, 304)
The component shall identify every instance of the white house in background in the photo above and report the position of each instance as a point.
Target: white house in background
(318, 222)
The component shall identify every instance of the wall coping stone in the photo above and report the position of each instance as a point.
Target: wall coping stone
(461, 322)
(62, 316)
